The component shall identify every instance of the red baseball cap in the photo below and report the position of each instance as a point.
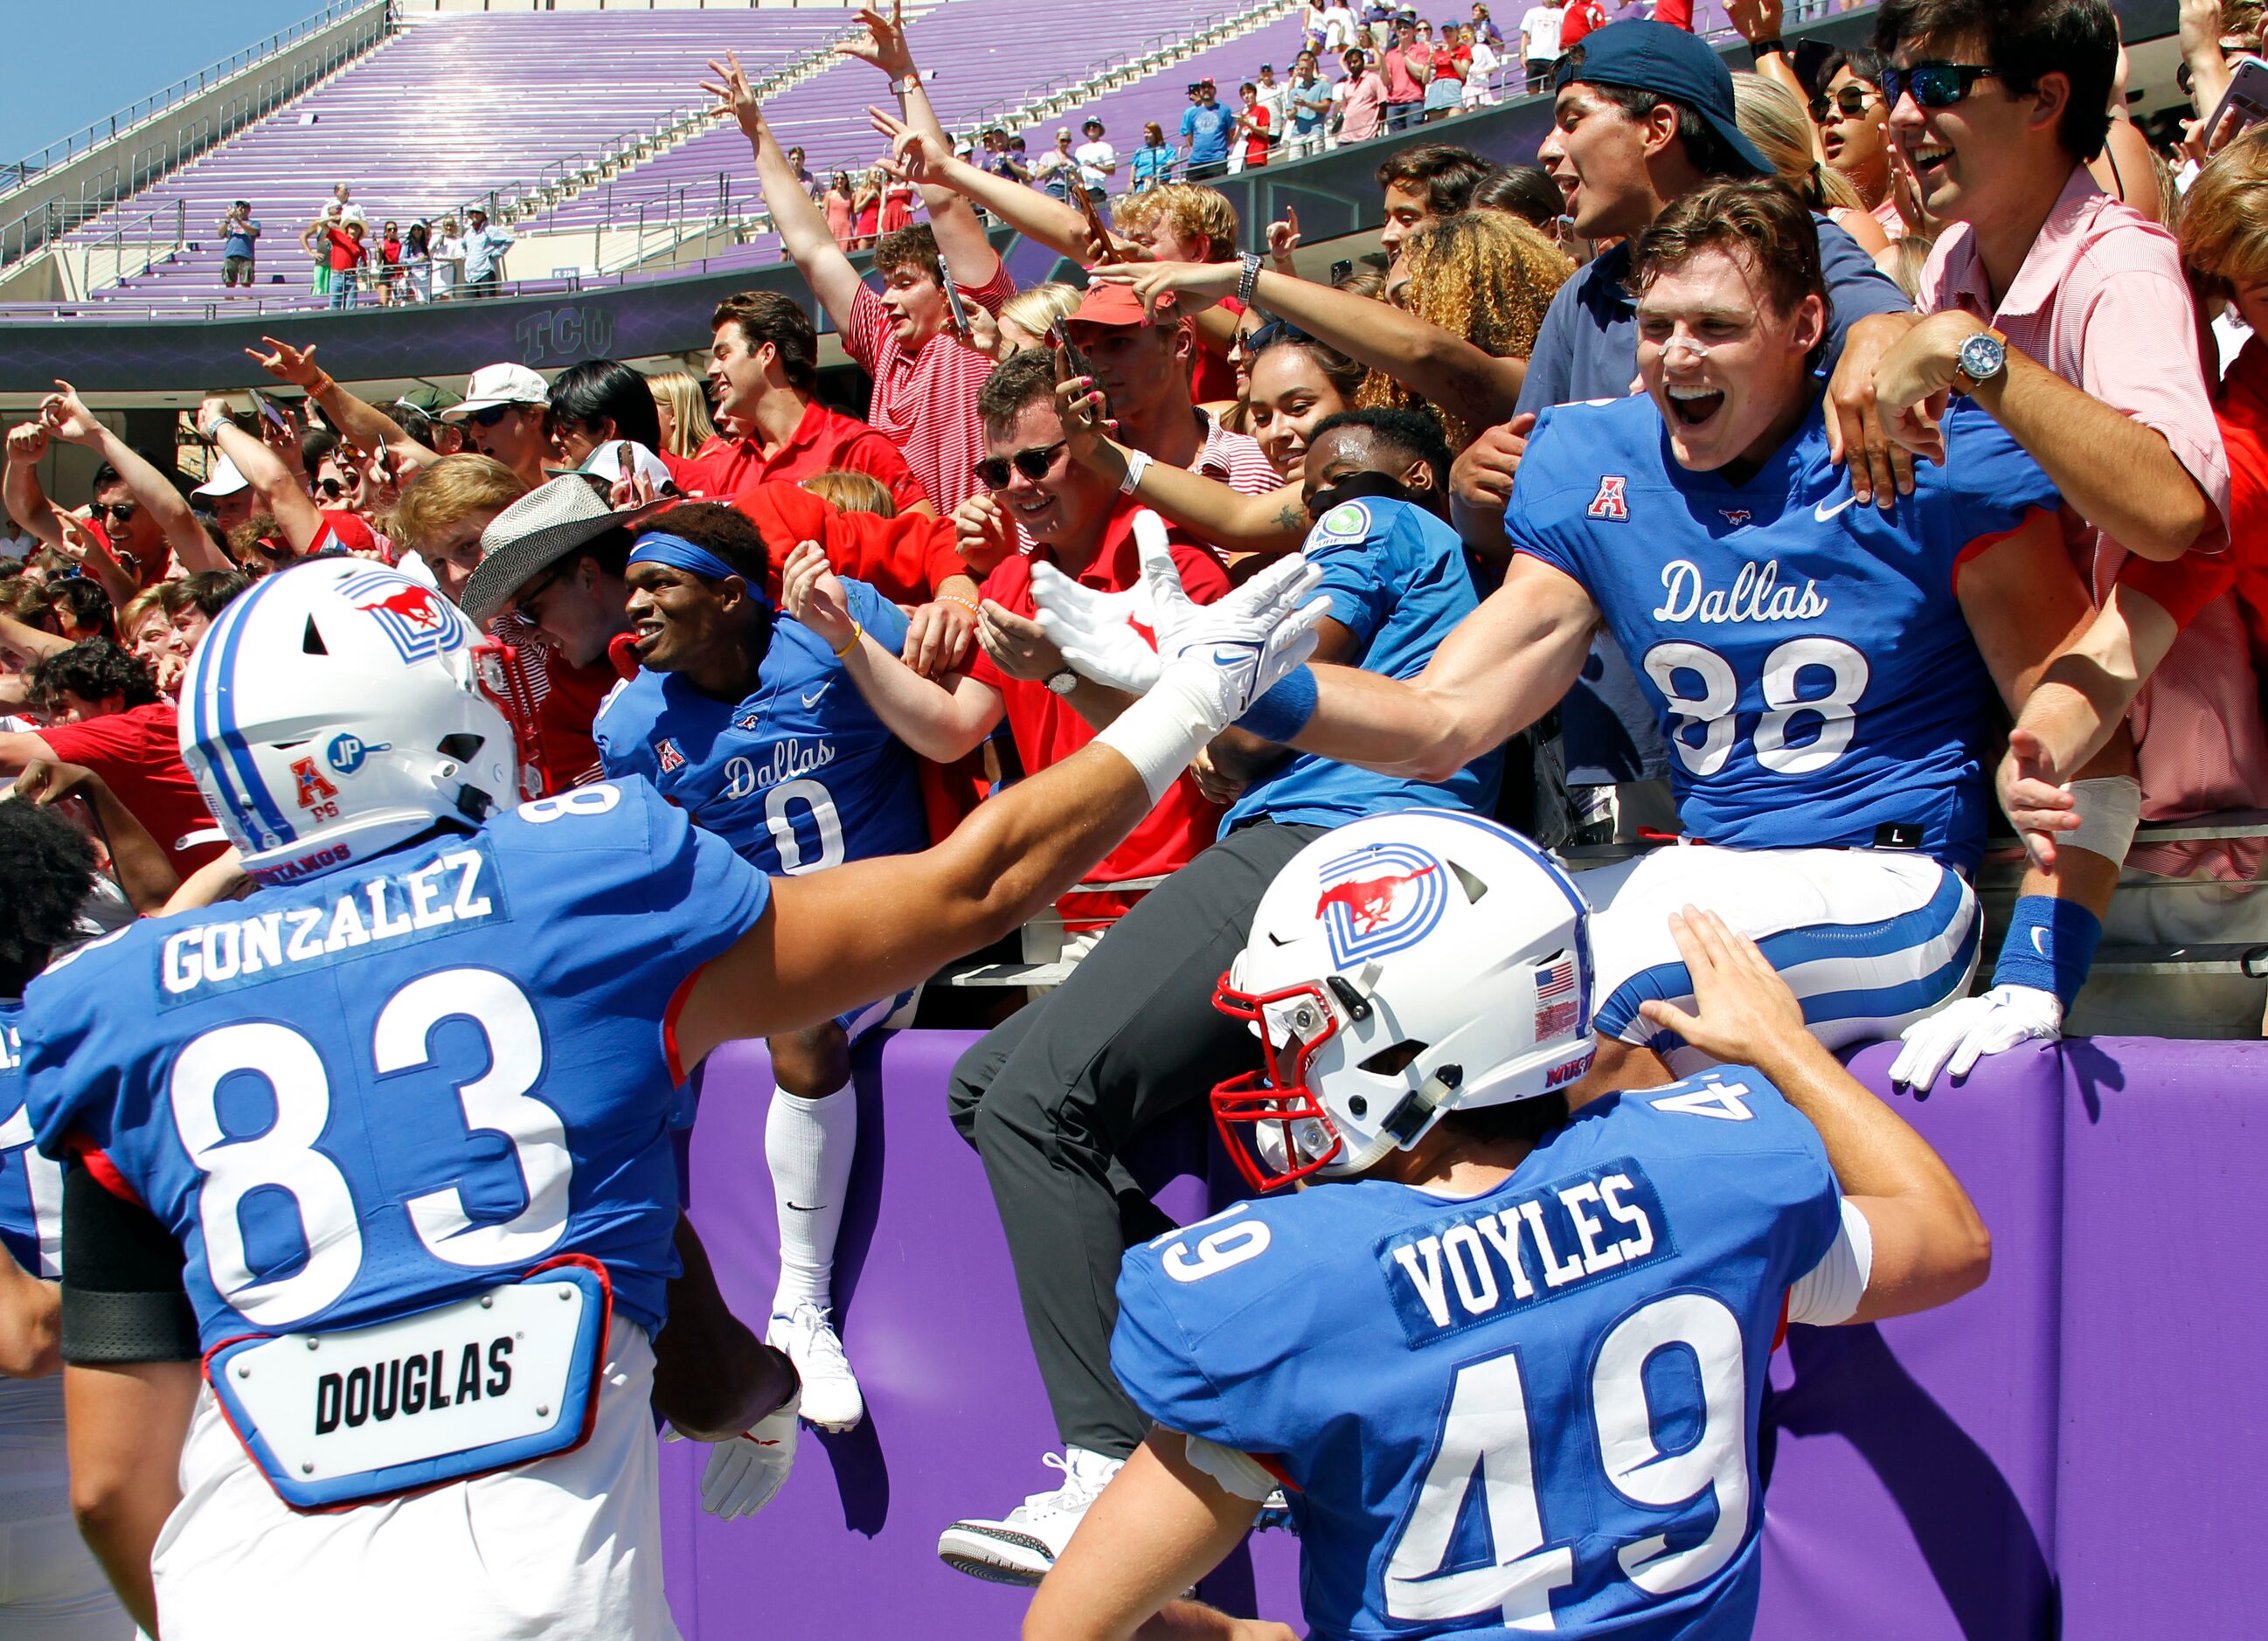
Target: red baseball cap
(1118, 305)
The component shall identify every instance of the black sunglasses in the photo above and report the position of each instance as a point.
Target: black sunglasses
(1034, 464)
(1274, 331)
(330, 489)
(524, 606)
(1933, 84)
(489, 415)
(122, 512)
(1847, 103)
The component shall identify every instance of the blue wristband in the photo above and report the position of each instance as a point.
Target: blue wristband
(1283, 711)
(2050, 947)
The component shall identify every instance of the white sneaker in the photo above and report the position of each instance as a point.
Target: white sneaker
(830, 1390)
(1021, 1546)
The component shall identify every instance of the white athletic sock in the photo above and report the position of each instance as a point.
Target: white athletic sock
(809, 1144)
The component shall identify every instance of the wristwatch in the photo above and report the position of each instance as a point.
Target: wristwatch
(1063, 681)
(1248, 278)
(1982, 358)
(1759, 49)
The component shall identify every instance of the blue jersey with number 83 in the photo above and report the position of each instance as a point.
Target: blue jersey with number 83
(401, 1082)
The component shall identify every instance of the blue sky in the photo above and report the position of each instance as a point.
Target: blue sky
(78, 61)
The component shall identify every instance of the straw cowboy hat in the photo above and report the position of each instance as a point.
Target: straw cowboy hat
(537, 531)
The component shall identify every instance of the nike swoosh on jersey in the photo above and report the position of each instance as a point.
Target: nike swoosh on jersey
(812, 700)
(1822, 513)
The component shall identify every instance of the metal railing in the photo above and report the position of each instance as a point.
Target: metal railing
(188, 85)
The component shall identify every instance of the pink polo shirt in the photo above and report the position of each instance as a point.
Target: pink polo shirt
(2101, 302)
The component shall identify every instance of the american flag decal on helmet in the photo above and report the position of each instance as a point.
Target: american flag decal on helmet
(1557, 1006)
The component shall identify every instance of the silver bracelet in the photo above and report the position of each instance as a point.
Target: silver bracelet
(1137, 463)
(1248, 279)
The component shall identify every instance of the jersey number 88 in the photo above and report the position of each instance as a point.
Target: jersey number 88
(1713, 711)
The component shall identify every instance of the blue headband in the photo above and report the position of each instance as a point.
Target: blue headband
(661, 548)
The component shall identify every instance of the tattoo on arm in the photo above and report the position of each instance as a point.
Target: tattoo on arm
(1292, 516)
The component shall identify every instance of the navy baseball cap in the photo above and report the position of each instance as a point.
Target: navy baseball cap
(1669, 61)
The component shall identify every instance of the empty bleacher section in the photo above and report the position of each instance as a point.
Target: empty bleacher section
(456, 109)
(987, 60)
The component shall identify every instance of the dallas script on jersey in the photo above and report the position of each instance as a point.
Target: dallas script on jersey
(1756, 595)
(1467, 1266)
(455, 888)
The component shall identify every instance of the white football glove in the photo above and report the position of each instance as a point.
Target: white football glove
(746, 1474)
(1250, 639)
(1967, 1029)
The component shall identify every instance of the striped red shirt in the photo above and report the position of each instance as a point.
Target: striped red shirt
(925, 402)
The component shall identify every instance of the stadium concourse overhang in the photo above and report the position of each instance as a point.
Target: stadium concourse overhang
(124, 356)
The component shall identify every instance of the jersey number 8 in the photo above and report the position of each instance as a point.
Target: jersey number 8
(286, 1157)
(1486, 1427)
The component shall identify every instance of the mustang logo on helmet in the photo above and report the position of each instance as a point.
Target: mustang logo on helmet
(1369, 907)
(414, 619)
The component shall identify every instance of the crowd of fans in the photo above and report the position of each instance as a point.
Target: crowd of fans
(349, 264)
(1998, 186)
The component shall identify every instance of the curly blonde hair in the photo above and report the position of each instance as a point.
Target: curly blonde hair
(1189, 209)
(1481, 275)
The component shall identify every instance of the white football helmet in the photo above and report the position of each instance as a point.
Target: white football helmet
(1401, 966)
(338, 708)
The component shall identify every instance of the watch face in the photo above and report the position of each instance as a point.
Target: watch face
(1982, 358)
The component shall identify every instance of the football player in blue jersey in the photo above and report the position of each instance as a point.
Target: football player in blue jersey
(742, 716)
(1823, 671)
(386, 1149)
(51, 1587)
(1507, 1364)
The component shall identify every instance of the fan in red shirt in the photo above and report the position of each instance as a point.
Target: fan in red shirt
(1083, 525)
(110, 719)
(925, 377)
(1581, 16)
(763, 365)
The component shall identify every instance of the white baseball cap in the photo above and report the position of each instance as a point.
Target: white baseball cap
(500, 385)
(222, 479)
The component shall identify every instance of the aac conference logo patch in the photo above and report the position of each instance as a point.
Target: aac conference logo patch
(1378, 900)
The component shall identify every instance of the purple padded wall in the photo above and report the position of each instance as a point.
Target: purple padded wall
(2074, 1444)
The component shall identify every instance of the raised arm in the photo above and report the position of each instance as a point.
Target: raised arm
(280, 495)
(1035, 215)
(1505, 666)
(960, 237)
(359, 422)
(139, 863)
(1437, 363)
(69, 419)
(875, 927)
(28, 503)
(1929, 1244)
(802, 225)
(1229, 519)
(940, 722)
